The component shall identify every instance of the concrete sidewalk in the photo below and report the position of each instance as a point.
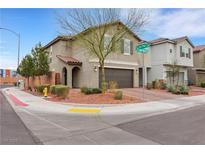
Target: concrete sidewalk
(40, 104)
(52, 123)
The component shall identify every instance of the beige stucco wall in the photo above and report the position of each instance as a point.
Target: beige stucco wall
(199, 62)
(90, 77)
(184, 61)
(199, 59)
(89, 71)
(160, 55)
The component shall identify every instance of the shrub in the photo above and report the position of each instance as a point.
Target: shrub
(61, 91)
(118, 95)
(88, 91)
(52, 89)
(83, 89)
(113, 85)
(171, 88)
(96, 91)
(41, 88)
(156, 84)
(184, 90)
(179, 90)
(104, 86)
(203, 85)
(149, 86)
(163, 85)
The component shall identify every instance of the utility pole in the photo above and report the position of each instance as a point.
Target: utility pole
(18, 37)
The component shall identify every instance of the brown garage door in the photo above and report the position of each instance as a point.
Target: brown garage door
(124, 77)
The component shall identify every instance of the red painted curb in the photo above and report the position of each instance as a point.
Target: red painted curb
(17, 101)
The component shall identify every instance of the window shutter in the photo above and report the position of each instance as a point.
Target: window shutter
(122, 45)
(131, 47)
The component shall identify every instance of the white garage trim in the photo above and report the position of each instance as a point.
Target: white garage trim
(115, 62)
(118, 67)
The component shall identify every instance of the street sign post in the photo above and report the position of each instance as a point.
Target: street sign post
(143, 49)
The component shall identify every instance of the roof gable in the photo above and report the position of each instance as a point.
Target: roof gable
(69, 38)
(174, 41)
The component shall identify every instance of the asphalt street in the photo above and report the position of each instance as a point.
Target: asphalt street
(12, 129)
(181, 127)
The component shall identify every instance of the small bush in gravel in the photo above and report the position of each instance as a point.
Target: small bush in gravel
(156, 84)
(184, 90)
(171, 88)
(163, 85)
(149, 86)
(40, 88)
(52, 89)
(61, 91)
(88, 91)
(113, 85)
(104, 86)
(203, 85)
(118, 95)
(83, 89)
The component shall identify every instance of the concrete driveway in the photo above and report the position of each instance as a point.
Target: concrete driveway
(149, 95)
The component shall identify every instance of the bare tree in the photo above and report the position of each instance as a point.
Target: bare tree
(173, 73)
(90, 26)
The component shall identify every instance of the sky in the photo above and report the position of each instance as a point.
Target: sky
(40, 25)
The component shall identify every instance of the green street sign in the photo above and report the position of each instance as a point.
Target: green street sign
(143, 48)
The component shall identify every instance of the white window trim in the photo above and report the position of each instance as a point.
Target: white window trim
(126, 53)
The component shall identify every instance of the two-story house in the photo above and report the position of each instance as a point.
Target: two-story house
(78, 68)
(197, 73)
(166, 53)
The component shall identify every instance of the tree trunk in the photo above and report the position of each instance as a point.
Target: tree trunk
(33, 86)
(28, 82)
(104, 85)
(102, 72)
(39, 78)
(177, 79)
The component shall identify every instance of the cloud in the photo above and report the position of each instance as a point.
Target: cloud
(177, 22)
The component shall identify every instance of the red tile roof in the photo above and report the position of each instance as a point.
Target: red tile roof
(69, 60)
(199, 48)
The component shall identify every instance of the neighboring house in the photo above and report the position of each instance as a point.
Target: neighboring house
(78, 68)
(197, 73)
(166, 52)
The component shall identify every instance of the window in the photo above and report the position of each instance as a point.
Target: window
(170, 50)
(189, 52)
(107, 40)
(182, 54)
(50, 60)
(127, 47)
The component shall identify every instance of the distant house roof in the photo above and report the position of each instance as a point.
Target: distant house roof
(58, 38)
(67, 37)
(69, 60)
(199, 48)
(182, 39)
(174, 41)
(161, 40)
